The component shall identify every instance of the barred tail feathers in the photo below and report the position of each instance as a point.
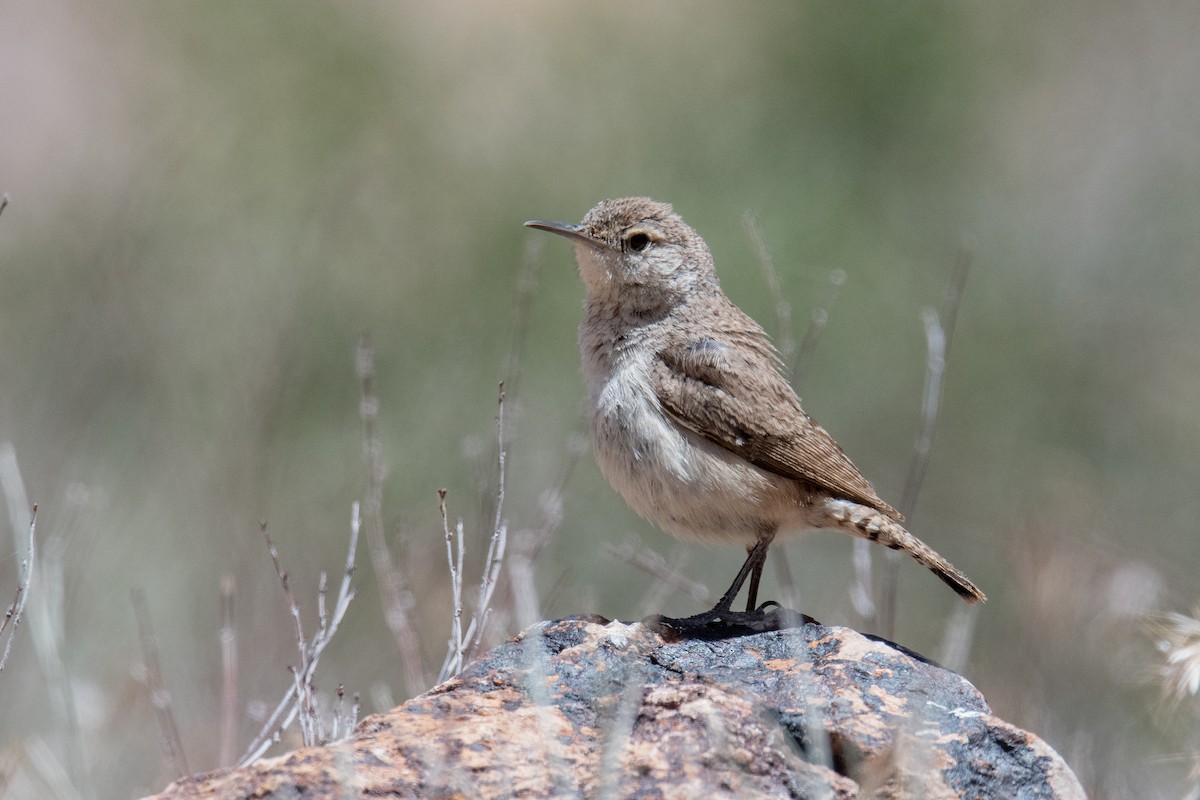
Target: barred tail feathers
(869, 523)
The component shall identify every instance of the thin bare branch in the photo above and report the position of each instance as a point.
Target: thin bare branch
(862, 595)
(816, 327)
(464, 644)
(956, 640)
(344, 719)
(355, 712)
(501, 451)
(15, 496)
(496, 546)
(346, 592)
(527, 284)
(46, 764)
(299, 701)
(637, 554)
(229, 673)
(619, 737)
(526, 603)
(531, 543)
(939, 328)
(160, 698)
(794, 357)
(304, 705)
(273, 728)
(397, 598)
(45, 615)
(293, 607)
(785, 340)
(789, 594)
(550, 505)
(15, 611)
(453, 662)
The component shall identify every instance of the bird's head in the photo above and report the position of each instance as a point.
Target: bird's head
(637, 253)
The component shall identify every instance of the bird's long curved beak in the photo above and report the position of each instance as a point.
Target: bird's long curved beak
(567, 230)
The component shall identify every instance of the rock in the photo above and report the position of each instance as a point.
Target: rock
(588, 708)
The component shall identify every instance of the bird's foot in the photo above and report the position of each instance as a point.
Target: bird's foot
(719, 623)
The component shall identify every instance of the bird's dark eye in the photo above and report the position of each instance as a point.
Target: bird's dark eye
(639, 242)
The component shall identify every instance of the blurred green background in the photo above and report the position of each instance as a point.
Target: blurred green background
(211, 202)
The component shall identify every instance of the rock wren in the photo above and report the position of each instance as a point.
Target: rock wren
(693, 422)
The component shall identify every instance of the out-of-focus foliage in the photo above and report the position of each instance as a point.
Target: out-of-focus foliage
(211, 202)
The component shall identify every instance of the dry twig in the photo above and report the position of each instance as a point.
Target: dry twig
(637, 554)
(523, 599)
(794, 357)
(300, 702)
(160, 698)
(785, 343)
(816, 326)
(464, 644)
(16, 610)
(939, 329)
(453, 662)
(229, 674)
(497, 543)
(397, 597)
(527, 283)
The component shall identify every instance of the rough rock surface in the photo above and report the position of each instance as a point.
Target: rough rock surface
(585, 708)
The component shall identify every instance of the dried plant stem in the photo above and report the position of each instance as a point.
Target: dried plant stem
(956, 639)
(16, 610)
(785, 342)
(229, 674)
(638, 555)
(939, 328)
(20, 518)
(793, 356)
(526, 602)
(496, 545)
(48, 766)
(302, 690)
(620, 734)
(519, 591)
(344, 719)
(299, 702)
(397, 598)
(862, 594)
(464, 644)
(293, 607)
(816, 327)
(46, 613)
(527, 283)
(160, 698)
(454, 650)
(272, 729)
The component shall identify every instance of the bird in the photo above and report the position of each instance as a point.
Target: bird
(693, 421)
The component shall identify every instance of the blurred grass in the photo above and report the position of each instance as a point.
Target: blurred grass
(211, 202)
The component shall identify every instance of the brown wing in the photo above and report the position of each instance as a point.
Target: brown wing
(736, 397)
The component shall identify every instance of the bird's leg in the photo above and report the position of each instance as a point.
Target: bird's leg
(755, 576)
(751, 568)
